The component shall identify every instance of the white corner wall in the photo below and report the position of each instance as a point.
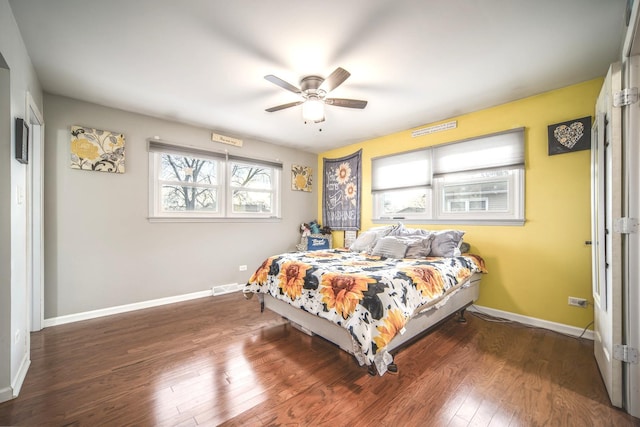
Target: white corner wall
(100, 249)
(18, 79)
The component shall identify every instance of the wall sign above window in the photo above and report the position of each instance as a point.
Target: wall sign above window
(226, 140)
(436, 128)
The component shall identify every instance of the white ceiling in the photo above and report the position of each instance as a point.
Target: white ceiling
(203, 62)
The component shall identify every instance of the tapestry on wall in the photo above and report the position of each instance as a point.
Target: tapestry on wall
(341, 195)
(574, 135)
(97, 150)
(301, 178)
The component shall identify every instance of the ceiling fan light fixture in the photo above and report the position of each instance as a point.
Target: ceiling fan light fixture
(313, 110)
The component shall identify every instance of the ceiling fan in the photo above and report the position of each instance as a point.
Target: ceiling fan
(314, 91)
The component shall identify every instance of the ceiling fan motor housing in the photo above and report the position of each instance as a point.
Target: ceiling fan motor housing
(310, 84)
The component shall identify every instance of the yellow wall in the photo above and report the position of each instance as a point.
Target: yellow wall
(534, 268)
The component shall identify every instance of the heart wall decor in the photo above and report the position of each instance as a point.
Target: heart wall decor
(566, 137)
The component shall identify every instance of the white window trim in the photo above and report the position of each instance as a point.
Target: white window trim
(514, 203)
(224, 213)
(274, 191)
(378, 201)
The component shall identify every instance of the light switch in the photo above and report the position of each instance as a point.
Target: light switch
(20, 194)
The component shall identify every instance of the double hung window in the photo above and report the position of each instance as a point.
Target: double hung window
(479, 180)
(187, 182)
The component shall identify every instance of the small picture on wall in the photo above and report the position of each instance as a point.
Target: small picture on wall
(97, 150)
(301, 178)
(574, 135)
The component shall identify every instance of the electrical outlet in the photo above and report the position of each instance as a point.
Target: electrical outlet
(578, 302)
(242, 268)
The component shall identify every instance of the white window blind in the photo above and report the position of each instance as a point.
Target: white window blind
(491, 151)
(400, 171)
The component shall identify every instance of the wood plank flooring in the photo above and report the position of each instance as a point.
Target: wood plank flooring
(219, 361)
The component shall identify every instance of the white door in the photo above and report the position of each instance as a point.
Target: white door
(606, 180)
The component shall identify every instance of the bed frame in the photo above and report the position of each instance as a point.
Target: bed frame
(418, 326)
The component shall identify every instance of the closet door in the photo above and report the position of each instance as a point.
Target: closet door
(606, 182)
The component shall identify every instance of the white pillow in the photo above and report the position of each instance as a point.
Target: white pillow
(364, 242)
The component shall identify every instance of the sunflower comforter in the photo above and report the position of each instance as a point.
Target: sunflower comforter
(372, 297)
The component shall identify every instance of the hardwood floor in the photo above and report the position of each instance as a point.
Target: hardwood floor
(218, 360)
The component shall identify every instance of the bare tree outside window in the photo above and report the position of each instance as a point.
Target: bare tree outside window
(252, 188)
(188, 183)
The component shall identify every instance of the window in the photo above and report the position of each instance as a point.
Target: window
(477, 180)
(400, 185)
(251, 188)
(188, 184)
(193, 183)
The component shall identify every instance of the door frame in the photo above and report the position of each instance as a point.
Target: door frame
(631, 145)
(35, 214)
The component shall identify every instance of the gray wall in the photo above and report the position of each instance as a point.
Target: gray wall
(101, 250)
(18, 78)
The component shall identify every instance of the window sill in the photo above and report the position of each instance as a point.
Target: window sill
(220, 220)
(503, 222)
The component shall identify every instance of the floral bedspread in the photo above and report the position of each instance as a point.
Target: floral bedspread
(372, 297)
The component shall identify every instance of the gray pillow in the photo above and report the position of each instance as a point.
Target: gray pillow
(364, 242)
(419, 246)
(390, 247)
(446, 243)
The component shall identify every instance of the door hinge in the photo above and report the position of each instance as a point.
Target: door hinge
(625, 353)
(625, 97)
(625, 225)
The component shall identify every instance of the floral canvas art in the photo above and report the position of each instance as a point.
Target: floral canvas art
(97, 150)
(301, 178)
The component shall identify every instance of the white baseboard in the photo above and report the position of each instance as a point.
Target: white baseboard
(17, 382)
(6, 394)
(61, 320)
(533, 321)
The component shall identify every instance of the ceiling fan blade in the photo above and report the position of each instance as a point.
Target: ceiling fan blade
(349, 103)
(284, 85)
(283, 106)
(334, 80)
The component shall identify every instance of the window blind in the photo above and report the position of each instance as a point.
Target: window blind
(164, 147)
(406, 170)
(490, 151)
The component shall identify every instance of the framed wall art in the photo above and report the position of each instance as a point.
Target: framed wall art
(97, 150)
(574, 135)
(301, 178)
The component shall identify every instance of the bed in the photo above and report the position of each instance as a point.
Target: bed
(370, 302)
